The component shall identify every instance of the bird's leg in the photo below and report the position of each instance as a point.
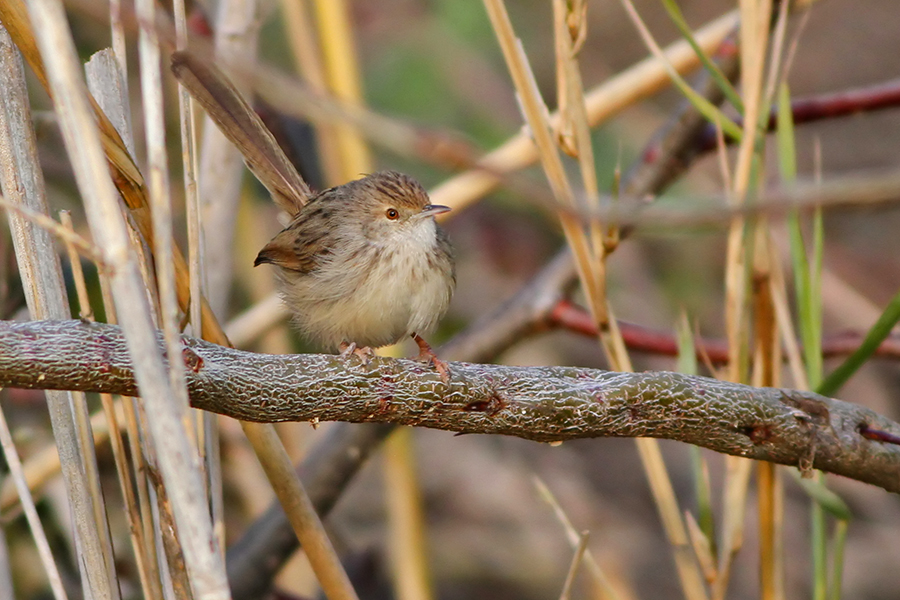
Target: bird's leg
(365, 353)
(426, 354)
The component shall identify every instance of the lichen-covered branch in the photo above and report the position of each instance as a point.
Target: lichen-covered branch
(537, 403)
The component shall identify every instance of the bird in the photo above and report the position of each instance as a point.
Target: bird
(360, 265)
(364, 264)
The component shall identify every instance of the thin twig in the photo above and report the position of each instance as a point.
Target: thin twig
(566, 315)
(566, 592)
(575, 540)
(67, 235)
(17, 474)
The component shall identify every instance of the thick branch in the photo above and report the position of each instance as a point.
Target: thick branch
(537, 403)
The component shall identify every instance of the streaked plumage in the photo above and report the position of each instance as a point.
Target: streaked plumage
(353, 271)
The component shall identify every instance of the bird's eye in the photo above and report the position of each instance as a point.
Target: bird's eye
(392, 214)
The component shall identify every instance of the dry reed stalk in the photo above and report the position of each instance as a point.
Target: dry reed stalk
(737, 479)
(702, 548)
(179, 468)
(159, 190)
(236, 32)
(301, 513)
(299, 509)
(754, 37)
(689, 573)
(603, 102)
(117, 33)
(603, 584)
(614, 346)
(601, 242)
(566, 592)
(106, 83)
(164, 560)
(538, 121)
(772, 315)
(767, 361)
(407, 545)
(302, 38)
(207, 430)
(110, 90)
(786, 326)
(146, 570)
(767, 477)
(342, 74)
(590, 259)
(41, 274)
(574, 136)
(17, 475)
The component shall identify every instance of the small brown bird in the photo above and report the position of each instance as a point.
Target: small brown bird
(362, 263)
(365, 263)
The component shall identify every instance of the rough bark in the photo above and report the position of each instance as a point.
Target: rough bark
(538, 403)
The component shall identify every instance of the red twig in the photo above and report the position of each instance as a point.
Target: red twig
(871, 433)
(566, 315)
(846, 102)
(828, 106)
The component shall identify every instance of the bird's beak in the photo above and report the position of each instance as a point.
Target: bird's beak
(431, 210)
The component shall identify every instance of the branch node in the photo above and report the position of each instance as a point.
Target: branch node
(192, 360)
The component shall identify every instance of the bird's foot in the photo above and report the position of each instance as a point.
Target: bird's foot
(427, 355)
(364, 354)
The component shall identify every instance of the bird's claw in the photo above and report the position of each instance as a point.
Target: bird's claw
(427, 355)
(364, 354)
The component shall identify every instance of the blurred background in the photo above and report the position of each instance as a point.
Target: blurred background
(489, 533)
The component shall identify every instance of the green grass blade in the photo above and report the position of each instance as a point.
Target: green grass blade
(709, 110)
(687, 351)
(877, 334)
(807, 282)
(807, 268)
(718, 76)
(824, 497)
(837, 568)
(784, 135)
(706, 108)
(819, 555)
(687, 363)
(816, 368)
